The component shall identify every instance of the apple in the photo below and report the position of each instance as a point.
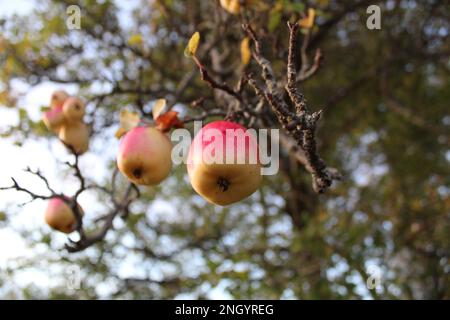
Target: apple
(54, 119)
(212, 174)
(58, 98)
(144, 156)
(75, 136)
(73, 109)
(60, 216)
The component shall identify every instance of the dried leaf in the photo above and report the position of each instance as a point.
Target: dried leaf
(308, 21)
(168, 120)
(246, 53)
(158, 108)
(192, 46)
(232, 6)
(128, 121)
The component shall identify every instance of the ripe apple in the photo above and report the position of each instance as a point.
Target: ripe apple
(212, 175)
(73, 109)
(144, 156)
(54, 119)
(75, 136)
(60, 216)
(58, 98)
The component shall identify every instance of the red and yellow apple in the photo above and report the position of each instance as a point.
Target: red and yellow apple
(144, 156)
(75, 136)
(60, 216)
(58, 98)
(54, 119)
(65, 118)
(223, 163)
(73, 109)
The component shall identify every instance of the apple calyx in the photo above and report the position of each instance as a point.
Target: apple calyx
(223, 183)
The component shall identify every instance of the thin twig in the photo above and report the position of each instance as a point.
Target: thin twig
(213, 83)
(300, 124)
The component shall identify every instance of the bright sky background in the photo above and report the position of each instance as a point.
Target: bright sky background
(13, 158)
(43, 154)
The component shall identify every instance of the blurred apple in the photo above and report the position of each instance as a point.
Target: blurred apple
(54, 119)
(73, 109)
(75, 136)
(144, 156)
(58, 98)
(60, 216)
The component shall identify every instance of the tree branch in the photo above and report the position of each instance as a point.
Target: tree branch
(300, 124)
(213, 83)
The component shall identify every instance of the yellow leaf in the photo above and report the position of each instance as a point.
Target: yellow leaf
(308, 21)
(128, 121)
(135, 40)
(232, 6)
(246, 53)
(158, 108)
(192, 45)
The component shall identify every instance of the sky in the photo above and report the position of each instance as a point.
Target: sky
(13, 162)
(9, 7)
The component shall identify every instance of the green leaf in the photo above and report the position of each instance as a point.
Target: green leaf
(23, 114)
(274, 20)
(297, 7)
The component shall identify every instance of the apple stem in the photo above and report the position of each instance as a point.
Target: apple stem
(223, 184)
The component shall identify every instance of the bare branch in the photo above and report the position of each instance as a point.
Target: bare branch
(17, 187)
(302, 76)
(300, 124)
(291, 86)
(77, 173)
(89, 240)
(213, 83)
(39, 174)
